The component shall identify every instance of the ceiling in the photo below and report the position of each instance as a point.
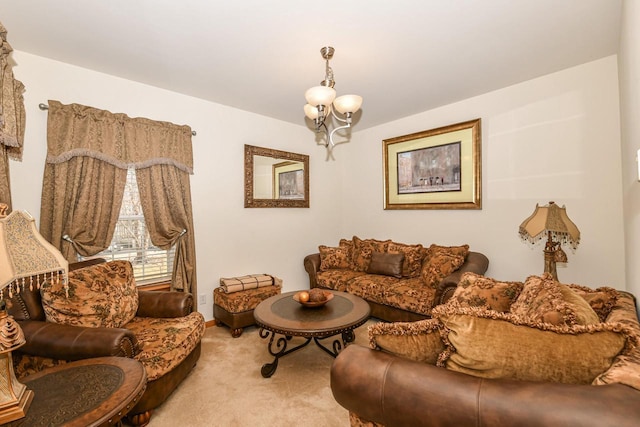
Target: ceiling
(403, 57)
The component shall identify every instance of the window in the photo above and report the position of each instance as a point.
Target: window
(131, 240)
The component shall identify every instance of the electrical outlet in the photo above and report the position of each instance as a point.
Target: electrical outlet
(202, 299)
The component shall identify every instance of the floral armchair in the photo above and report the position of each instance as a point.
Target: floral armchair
(106, 315)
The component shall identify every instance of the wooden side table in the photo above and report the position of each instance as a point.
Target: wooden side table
(89, 392)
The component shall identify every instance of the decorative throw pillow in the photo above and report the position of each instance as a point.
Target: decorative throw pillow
(602, 300)
(491, 344)
(419, 341)
(545, 300)
(462, 250)
(475, 290)
(362, 250)
(386, 264)
(331, 258)
(413, 257)
(438, 266)
(102, 295)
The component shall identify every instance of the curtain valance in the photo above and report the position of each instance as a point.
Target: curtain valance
(76, 130)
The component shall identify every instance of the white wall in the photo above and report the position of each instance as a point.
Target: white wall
(230, 240)
(629, 64)
(553, 138)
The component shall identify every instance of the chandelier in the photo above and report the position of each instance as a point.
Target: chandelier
(322, 104)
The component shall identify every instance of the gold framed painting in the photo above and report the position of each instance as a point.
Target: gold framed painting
(434, 169)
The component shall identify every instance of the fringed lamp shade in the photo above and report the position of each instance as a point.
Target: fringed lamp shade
(24, 253)
(553, 223)
(550, 219)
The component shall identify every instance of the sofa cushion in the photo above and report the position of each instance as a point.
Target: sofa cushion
(475, 290)
(165, 342)
(362, 250)
(336, 279)
(334, 257)
(439, 265)
(413, 257)
(462, 250)
(545, 300)
(371, 287)
(386, 264)
(490, 344)
(101, 295)
(602, 300)
(419, 341)
(410, 295)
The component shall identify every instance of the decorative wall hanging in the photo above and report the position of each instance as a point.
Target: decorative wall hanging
(434, 169)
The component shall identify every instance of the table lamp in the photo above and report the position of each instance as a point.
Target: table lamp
(24, 253)
(552, 222)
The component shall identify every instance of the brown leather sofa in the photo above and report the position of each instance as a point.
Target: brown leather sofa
(67, 343)
(393, 391)
(475, 262)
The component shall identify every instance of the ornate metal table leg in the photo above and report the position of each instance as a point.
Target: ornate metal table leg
(277, 351)
(337, 344)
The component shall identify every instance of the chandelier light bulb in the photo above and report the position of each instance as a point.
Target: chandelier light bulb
(347, 103)
(311, 111)
(320, 95)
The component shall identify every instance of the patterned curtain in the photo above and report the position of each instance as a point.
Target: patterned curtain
(89, 151)
(12, 117)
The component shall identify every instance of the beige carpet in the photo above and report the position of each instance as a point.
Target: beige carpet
(226, 389)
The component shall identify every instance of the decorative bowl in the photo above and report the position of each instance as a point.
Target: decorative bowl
(328, 294)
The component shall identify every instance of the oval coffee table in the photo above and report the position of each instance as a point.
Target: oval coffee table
(282, 315)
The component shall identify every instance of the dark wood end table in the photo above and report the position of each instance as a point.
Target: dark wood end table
(282, 315)
(89, 392)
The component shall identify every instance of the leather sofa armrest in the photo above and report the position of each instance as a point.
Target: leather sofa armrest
(394, 391)
(312, 266)
(476, 263)
(166, 304)
(67, 342)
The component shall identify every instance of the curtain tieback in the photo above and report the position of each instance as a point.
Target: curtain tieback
(182, 233)
(67, 238)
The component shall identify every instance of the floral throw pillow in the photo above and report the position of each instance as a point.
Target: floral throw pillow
(332, 258)
(102, 295)
(544, 300)
(438, 266)
(475, 290)
(413, 257)
(362, 250)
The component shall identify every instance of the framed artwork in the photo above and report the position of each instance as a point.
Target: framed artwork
(434, 169)
(288, 181)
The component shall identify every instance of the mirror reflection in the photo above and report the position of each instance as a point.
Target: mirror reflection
(275, 178)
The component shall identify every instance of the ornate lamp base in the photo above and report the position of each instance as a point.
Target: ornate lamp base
(15, 398)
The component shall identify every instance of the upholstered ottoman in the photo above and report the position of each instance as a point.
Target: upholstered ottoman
(234, 308)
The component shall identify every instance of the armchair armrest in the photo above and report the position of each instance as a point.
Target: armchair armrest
(312, 266)
(164, 304)
(476, 263)
(67, 342)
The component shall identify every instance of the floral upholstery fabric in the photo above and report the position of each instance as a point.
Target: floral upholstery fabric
(237, 302)
(413, 257)
(602, 300)
(420, 341)
(545, 300)
(356, 421)
(100, 295)
(462, 250)
(475, 290)
(371, 287)
(165, 342)
(334, 257)
(411, 295)
(24, 365)
(438, 266)
(362, 250)
(337, 279)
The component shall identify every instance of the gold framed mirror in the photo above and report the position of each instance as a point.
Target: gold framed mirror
(275, 178)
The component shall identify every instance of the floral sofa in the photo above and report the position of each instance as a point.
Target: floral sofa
(401, 282)
(105, 314)
(537, 353)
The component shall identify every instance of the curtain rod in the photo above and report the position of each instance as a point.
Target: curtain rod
(44, 107)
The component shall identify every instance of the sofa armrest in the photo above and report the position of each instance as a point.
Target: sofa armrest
(67, 342)
(312, 266)
(166, 304)
(393, 391)
(475, 263)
